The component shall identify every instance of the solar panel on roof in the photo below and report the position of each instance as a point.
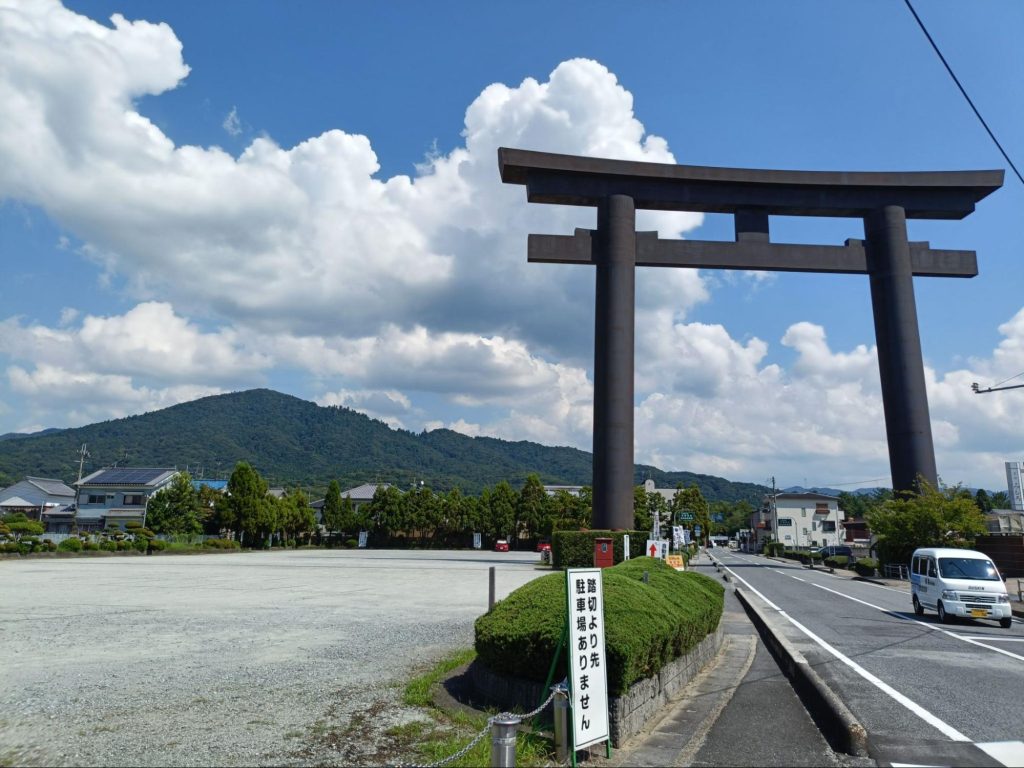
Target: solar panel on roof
(126, 476)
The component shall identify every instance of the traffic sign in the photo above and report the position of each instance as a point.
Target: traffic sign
(696, 530)
(686, 515)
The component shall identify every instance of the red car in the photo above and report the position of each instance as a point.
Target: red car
(544, 545)
(501, 545)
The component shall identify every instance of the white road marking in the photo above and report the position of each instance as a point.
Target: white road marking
(993, 638)
(913, 706)
(892, 613)
(1010, 753)
(797, 578)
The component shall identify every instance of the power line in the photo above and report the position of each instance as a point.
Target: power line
(1006, 380)
(964, 92)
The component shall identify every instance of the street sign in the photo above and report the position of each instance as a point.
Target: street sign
(687, 516)
(676, 561)
(588, 677)
(362, 539)
(625, 546)
(477, 540)
(696, 530)
(657, 548)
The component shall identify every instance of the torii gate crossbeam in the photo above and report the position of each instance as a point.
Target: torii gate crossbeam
(884, 201)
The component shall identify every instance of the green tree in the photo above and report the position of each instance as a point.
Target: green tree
(1000, 500)
(331, 512)
(531, 507)
(503, 512)
(175, 509)
(384, 512)
(931, 518)
(245, 508)
(982, 500)
(19, 525)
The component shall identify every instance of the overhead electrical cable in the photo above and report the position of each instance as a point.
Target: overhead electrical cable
(963, 91)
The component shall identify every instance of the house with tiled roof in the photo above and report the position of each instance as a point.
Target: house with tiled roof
(360, 495)
(35, 496)
(118, 495)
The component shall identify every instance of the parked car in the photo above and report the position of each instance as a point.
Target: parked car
(501, 545)
(544, 545)
(835, 550)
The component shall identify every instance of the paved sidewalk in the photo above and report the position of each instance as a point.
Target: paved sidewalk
(725, 716)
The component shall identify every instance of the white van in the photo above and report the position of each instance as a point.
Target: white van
(958, 582)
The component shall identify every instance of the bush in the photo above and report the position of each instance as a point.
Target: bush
(109, 546)
(124, 545)
(9, 547)
(157, 545)
(140, 544)
(575, 549)
(221, 544)
(646, 625)
(775, 549)
(866, 566)
(837, 561)
(90, 546)
(351, 543)
(132, 525)
(70, 545)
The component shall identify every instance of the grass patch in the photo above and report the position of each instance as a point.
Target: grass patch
(451, 732)
(417, 691)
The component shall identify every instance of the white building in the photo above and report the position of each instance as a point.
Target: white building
(807, 519)
(1015, 484)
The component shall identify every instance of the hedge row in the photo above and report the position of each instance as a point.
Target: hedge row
(575, 549)
(647, 625)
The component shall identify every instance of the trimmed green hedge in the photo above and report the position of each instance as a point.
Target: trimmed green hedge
(575, 549)
(837, 561)
(866, 566)
(646, 625)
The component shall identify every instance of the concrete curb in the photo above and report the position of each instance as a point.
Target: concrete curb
(832, 716)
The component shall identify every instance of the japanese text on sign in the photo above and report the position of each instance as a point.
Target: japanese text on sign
(588, 679)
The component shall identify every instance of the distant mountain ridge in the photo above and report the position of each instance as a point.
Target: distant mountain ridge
(291, 442)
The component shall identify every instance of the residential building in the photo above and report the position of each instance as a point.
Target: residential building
(36, 496)
(118, 495)
(806, 519)
(572, 490)
(360, 495)
(1015, 484)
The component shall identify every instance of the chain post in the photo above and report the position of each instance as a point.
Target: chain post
(503, 741)
(561, 718)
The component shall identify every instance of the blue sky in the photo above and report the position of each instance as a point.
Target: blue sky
(199, 199)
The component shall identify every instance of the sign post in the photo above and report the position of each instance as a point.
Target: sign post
(625, 546)
(588, 677)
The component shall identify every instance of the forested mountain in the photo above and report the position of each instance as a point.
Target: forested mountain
(296, 442)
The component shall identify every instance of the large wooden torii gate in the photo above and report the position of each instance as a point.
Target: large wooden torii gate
(617, 188)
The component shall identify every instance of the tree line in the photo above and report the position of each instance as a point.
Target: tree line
(417, 517)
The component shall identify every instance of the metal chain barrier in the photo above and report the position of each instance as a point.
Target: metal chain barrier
(504, 716)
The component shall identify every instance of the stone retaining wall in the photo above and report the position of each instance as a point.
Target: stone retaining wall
(628, 713)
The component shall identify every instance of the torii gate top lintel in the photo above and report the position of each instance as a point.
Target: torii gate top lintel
(587, 181)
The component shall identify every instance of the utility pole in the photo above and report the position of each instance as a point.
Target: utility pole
(83, 454)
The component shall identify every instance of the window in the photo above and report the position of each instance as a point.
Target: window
(805, 531)
(828, 526)
(968, 568)
(134, 499)
(931, 569)
(803, 513)
(97, 498)
(783, 521)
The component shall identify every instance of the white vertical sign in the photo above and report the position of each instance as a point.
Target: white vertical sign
(362, 539)
(588, 676)
(625, 546)
(477, 540)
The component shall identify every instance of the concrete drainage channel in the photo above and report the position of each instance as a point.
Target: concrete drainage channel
(836, 722)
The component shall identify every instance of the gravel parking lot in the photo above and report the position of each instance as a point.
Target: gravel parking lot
(283, 658)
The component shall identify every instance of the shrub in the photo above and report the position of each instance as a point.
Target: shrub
(221, 544)
(775, 549)
(866, 566)
(575, 549)
(70, 545)
(109, 546)
(351, 543)
(132, 525)
(647, 625)
(124, 545)
(9, 547)
(90, 546)
(140, 545)
(157, 545)
(837, 561)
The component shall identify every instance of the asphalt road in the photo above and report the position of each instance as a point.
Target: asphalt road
(927, 693)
